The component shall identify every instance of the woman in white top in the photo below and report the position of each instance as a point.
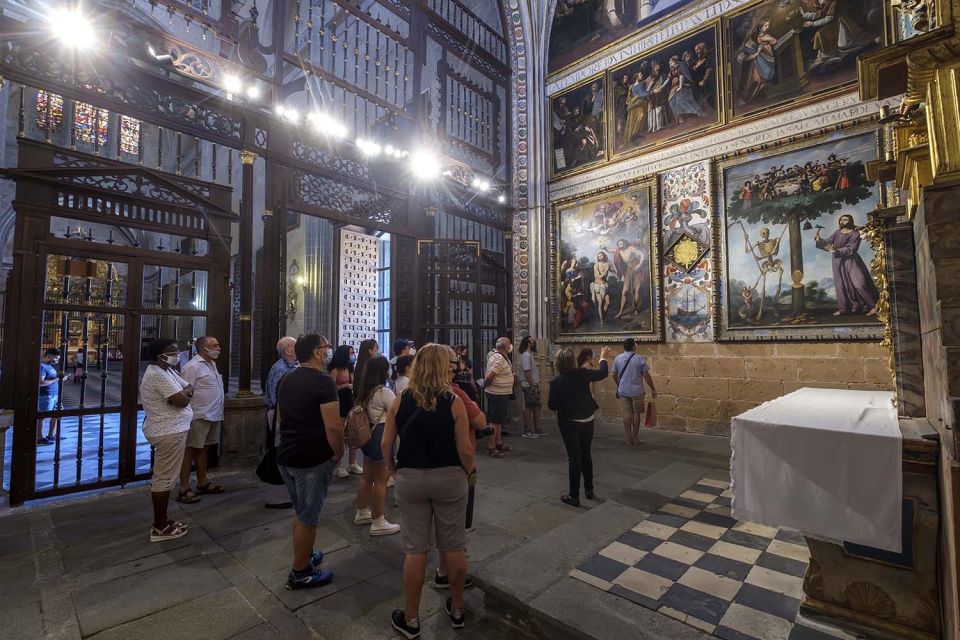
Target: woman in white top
(376, 398)
(403, 366)
(167, 415)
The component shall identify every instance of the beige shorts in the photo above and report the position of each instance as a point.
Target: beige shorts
(433, 500)
(203, 433)
(633, 406)
(167, 458)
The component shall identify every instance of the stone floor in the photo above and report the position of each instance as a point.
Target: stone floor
(84, 568)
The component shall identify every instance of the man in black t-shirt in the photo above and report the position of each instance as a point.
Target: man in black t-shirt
(310, 433)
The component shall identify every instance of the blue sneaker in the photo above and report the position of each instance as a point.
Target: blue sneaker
(313, 579)
(316, 558)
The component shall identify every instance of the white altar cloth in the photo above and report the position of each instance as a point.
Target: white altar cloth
(826, 462)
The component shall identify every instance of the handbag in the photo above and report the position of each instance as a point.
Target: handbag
(617, 394)
(650, 419)
(267, 470)
(357, 431)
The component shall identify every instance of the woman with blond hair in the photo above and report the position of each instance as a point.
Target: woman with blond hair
(570, 397)
(433, 463)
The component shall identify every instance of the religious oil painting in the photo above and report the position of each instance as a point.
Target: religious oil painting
(686, 238)
(666, 93)
(796, 261)
(607, 266)
(578, 137)
(784, 50)
(582, 27)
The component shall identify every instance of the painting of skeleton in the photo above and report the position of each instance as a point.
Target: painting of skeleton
(780, 50)
(607, 265)
(666, 93)
(796, 259)
(578, 126)
(581, 27)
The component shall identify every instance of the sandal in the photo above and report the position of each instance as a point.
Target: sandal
(494, 453)
(209, 489)
(502, 448)
(188, 497)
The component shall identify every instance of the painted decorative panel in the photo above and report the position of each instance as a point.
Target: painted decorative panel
(789, 50)
(581, 27)
(129, 135)
(606, 270)
(359, 258)
(578, 131)
(795, 264)
(666, 93)
(49, 111)
(686, 238)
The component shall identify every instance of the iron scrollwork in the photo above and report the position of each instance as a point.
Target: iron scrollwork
(348, 200)
(330, 161)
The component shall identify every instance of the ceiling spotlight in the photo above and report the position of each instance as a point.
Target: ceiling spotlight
(73, 29)
(279, 110)
(447, 173)
(388, 150)
(501, 198)
(424, 164)
(370, 148)
(253, 92)
(327, 125)
(231, 83)
(291, 115)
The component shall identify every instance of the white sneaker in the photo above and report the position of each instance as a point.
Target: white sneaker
(529, 434)
(341, 472)
(380, 527)
(355, 468)
(363, 516)
(391, 482)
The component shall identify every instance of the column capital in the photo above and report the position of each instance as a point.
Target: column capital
(247, 157)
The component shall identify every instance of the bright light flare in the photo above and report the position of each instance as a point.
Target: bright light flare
(72, 28)
(424, 165)
(232, 83)
(253, 92)
(501, 198)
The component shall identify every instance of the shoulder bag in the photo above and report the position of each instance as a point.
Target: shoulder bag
(625, 367)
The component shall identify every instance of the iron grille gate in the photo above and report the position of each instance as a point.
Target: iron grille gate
(108, 257)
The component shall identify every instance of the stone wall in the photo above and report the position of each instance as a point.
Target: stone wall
(702, 386)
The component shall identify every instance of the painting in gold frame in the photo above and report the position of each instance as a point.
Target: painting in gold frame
(578, 137)
(605, 276)
(669, 92)
(791, 267)
(784, 52)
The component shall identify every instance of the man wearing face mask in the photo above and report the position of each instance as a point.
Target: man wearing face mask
(497, 387)
(201, 372)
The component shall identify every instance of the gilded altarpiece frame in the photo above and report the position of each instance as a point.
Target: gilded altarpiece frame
(605, 277)
(789, 266)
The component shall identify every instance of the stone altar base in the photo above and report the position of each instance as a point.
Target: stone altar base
(244, 420)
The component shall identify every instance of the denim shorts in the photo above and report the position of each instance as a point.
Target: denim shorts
(46, 403)
(373, 451)
(307, 487)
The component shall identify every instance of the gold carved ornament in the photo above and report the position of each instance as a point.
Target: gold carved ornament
(874, 233)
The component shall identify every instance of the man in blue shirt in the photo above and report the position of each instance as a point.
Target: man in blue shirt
(48, 395)
(629, 372)
(286, 362)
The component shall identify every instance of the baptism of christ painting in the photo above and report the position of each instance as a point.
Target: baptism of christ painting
(783, 50)
(796, 261)
(606, 274)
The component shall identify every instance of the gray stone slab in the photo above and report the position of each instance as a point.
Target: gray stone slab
(214, 616)
(349, 567)
(259, 632)
(593, 613)
(15, 543)
(266, 549)
(535, 566)
(672, 480)
(19, 584)
(538, 518)
(132, 597)
(485, 542)
(91, 578)
(495, 505)
(22, 622)
(126, 546)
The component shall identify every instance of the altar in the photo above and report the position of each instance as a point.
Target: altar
(860, 484)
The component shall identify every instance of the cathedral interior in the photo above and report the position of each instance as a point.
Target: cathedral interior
(753, 196)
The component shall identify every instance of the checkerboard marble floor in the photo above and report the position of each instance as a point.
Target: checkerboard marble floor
(692, 561)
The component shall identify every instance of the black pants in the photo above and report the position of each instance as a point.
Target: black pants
(577, 438)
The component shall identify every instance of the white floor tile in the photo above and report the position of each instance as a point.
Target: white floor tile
(756, 529)
(623, 553)
(787, 550)
(678, 552)
(707, 582)
(655, 529)
(644, 583)
(775, 581)
(677, 510)
(699, 497)
(704, 529)
(756, 623)
(593, 581)
(735, 552)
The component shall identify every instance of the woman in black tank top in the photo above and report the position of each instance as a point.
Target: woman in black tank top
(431, 480)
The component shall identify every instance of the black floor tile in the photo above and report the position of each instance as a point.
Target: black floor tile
(746, 540)
(768, 601)
(667, 519)
(715, 519)
(639, 541)
(603, 568)
(635, 597)
(664, 567)
(702, 488)
(791, 536)
(783, 565)
(695, 603)
(724, 567)
(692, 540)
(726, 633)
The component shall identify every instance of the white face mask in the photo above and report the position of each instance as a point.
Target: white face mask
(413, 351)
(510, 349)
(213, 355)
(171, 359)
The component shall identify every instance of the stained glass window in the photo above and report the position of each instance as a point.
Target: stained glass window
(129, 135)
(54, 103)
(89, 118)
